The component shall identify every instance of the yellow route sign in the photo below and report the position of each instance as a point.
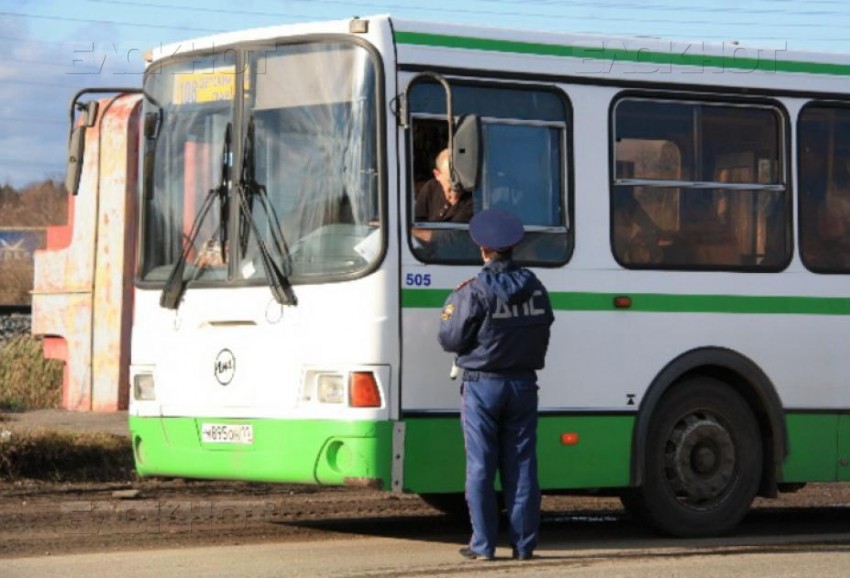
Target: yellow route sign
(206, 85)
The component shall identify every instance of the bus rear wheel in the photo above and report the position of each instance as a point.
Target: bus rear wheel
(703, 461)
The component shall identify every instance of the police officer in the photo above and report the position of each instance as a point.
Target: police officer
(498, 326)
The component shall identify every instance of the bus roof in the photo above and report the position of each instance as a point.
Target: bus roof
(620, 58)
(422, 43)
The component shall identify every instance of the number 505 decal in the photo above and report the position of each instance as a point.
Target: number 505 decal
(418, 279)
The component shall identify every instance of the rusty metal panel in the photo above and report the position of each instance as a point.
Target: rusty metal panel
(68, 315)
(113, 258)
(83, 292)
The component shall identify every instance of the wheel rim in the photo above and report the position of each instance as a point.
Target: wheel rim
(700, 460)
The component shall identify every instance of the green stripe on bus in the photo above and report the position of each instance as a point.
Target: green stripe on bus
(663, 302)
(639, 55)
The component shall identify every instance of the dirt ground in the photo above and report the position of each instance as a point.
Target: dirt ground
(38, 518)
(42, 518)
(61, 420)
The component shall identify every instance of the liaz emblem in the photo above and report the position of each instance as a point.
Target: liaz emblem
(225, 366)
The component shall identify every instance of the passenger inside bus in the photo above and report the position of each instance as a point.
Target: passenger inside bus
(438, 202)
(637, 238)
(709, 226)
(834, 215)
(825, 208)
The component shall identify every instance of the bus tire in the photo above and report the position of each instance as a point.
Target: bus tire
(703, 461)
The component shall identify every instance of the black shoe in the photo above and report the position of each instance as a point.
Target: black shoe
(524, 556)
(471, 554)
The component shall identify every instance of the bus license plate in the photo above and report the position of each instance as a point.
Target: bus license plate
(227, 433)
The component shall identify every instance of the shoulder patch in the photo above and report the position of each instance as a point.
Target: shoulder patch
(448, 311)
(465, 283)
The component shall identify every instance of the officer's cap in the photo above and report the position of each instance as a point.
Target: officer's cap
(496, 230)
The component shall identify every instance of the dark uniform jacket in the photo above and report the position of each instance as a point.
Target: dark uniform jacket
(498, 321)
(431, 205)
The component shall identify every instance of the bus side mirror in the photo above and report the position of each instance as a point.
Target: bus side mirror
(466, 153)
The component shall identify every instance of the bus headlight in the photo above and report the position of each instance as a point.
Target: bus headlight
(330, 388)
(144, 388)
(357, 387)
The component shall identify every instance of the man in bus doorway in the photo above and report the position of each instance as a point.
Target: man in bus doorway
(498, 326)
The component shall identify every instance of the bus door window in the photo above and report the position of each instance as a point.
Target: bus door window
(824, 188)
(523, 170)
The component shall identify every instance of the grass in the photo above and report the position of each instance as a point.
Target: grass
(64, 457)
(17, 279)
(28, 380)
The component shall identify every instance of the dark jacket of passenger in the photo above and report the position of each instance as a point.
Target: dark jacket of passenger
(431, 205)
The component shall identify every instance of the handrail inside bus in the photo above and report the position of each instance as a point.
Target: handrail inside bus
(699, 184)
(440, 225)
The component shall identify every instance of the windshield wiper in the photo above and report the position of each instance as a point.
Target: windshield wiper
(247, 190)
(176, 284)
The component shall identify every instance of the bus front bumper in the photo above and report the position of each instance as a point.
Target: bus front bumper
(327, 452)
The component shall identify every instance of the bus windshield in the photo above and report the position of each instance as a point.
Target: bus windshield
(312, 109)
(305, 185)
(187, 108)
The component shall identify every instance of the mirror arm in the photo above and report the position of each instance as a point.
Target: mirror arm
(404, 110)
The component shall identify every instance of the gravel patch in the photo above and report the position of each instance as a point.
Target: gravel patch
(14, 325)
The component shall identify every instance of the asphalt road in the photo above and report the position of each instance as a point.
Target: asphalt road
(789, 556)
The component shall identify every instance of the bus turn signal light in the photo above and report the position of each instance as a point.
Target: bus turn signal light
(363, 390)
(569, 439)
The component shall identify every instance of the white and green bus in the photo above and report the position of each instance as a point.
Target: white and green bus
(686, 206)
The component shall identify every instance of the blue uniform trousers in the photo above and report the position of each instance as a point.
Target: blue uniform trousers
(500, 432)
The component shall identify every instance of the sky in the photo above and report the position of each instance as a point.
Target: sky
(49, 49)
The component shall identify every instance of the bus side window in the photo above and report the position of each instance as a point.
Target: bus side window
(719, 205)
(824, 188)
